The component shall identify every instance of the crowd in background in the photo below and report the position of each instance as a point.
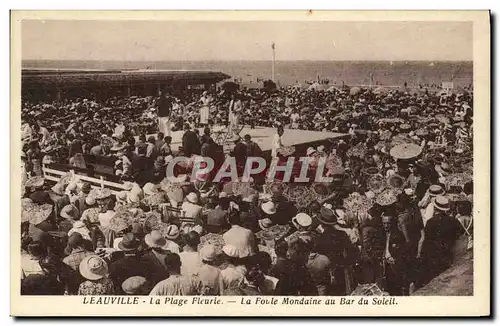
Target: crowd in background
(389, 218)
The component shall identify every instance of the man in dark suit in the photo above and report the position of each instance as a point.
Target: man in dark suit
(164, 104)
(239, 153)
(394, 257)
(190, 142)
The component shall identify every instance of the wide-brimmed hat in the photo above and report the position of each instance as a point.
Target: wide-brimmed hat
(268, 207)
(436, 190)
(265, 223)
(327, 216)
(192, 198)
(129, 243)
(172, 232)
(155, 239)
(70, 212)
(443, 168)
(208, 253)
(442, 203)
(93, 268)
(302, 220)
(134, 285)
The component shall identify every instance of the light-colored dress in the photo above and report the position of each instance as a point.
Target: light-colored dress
(205, 110)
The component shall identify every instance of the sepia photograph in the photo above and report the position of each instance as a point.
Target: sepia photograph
(193, 161)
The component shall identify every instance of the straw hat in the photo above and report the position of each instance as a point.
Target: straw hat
(436, 190)
(268, 207)
(302, 220)
(93, 268)
(442, 203)
(207, 253)
(192, 198)
(134, 285)
(155, 239)
(150, 189)
(172, 232)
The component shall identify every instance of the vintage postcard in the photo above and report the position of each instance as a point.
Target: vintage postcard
(250, 163)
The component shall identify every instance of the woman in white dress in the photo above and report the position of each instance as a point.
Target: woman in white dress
(205, 108)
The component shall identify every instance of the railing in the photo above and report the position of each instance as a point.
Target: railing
(54, 175)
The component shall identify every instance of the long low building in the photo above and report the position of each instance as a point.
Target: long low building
(68, 83)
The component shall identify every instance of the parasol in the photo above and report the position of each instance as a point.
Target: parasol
(386, 197)
(405, 151)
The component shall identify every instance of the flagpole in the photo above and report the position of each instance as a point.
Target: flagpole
(272, 68)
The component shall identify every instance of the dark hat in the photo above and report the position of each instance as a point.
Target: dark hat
(86, 187)
(129, 243)
(327, 216)
(75, 240)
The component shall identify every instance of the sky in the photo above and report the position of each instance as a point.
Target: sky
(240, 40)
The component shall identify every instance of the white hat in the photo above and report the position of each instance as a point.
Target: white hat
(172, 232)
(155, 239)
(409, 191)
(207, 253)
(230, 250)
(223, 195)
(310, 151)
(90, 201)
(192, 198)
(133, 197)
(93, 268)
(150, 189)
(302, 220)
(321, 148)
(268, 207)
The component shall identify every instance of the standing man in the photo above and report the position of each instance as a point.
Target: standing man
(234, 114)
(394, 257)
(277, 141)
(164, 105)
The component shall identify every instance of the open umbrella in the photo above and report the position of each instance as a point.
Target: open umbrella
(405, 151)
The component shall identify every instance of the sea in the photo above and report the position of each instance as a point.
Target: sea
(251, 73)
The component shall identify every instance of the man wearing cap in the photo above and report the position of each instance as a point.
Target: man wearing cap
(439, 237)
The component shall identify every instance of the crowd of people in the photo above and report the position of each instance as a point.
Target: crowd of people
(397, 212)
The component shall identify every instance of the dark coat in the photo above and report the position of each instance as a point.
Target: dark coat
(191, 143)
